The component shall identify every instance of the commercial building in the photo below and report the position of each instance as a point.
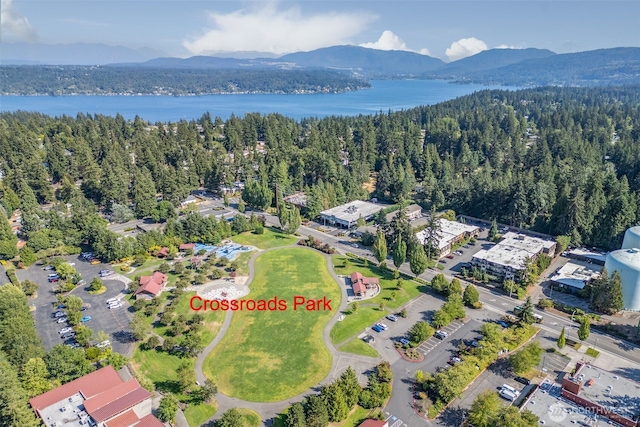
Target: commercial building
(451, 232)
(151, 286)
(575, 275)
(100, 398)
(412, 212)
(508, 259)
(347, 215)
(361, 284)
(586, 255)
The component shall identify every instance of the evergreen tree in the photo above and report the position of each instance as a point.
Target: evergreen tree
(335, 401)
(380, 246)
(418, 261)
(433, 234)
(8, 240)
(316, 412)
(493, 231)
(143, 193)
(350, 387)
(14, 407)
(295, 416)
(562, 340)
(615, 299)
(399, 252)
(526, 315)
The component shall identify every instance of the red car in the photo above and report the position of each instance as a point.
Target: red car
(53, 279)
(450, 256)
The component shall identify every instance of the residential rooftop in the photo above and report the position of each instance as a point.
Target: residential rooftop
(450, 231)
(514, 250)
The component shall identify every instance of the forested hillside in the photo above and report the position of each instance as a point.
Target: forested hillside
(561, 161)
(133, 80)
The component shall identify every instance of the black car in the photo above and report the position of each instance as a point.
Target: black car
(522, 380)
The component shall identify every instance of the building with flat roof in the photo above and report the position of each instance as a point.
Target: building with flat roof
(298, 199)
(451, 232)
(413, 211)
(586, 255)
(575, 275)
(100, 398)
(347, 215)
(508, 258)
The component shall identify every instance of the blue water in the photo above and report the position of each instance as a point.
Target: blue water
(384, 95)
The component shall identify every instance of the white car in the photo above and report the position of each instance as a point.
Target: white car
(103, 344)
(62, 320)
(113, 301)
(383, 326)
(65, 330)
(116, 305)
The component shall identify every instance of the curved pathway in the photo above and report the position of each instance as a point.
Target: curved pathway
(269, 411)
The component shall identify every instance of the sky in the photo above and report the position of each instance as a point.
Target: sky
(449, 30)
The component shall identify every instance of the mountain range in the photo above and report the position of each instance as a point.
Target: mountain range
(515, 67)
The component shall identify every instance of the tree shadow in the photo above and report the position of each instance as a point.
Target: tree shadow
(452, 416)
(502, 368)
(169, 386)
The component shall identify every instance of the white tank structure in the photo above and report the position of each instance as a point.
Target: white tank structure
(627, 263)
(631, 238)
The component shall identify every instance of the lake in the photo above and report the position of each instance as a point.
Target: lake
(384, 95)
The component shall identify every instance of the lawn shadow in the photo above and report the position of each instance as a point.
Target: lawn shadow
(169, 386)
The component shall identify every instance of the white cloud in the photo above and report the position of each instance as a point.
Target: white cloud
(465, 47)
(13, 23)
(390, 41)
(267, 29)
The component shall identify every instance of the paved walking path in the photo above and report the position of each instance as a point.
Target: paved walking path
(269, 411)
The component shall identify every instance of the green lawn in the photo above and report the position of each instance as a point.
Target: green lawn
(243, 263)
(250, 418)
(158, 366)
(355, 323)
(355, 418)
(357, 346)
(410, 289)
(198, 414)
(212, 319)
(268, 356)
(368, 313)
(270, 239)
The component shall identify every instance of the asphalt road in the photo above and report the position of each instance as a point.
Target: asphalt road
(113, 322)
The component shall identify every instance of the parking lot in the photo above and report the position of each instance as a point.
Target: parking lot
(113, 322)
(434, 342)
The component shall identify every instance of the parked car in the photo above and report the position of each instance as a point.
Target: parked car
(83, 308)
(58, 314)
(103, 344)
(404, 341)
(450, 256)
(68, 335)
(454, 361)
(65, 330)
(441, 335)
(104, 273)
(85, 319)
(113, 300)
(49, 267)
(52, 275)
(376, 328)
(368, 339)
(392, 317)
(95, 261)
(522, 380)
(54, 279)
(62, 320)
(502, 323)
(116, 305)
(382, 326)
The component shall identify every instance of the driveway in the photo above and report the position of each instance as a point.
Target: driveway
(4, 279)
(113, 322)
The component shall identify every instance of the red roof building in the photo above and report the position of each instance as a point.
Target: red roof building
(360, 284)
(162, 253)
(101, 396)
(374, 423)
(151, 286)
(187, 247)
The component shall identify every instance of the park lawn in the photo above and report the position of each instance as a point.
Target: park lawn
(250, 418)
(212, 319)
(198, 414)
(159, 367)
(409, 291)
(357, 346)
(243, 263)
(355, 323)
(270, 239)
(268, 356)
(355, 418)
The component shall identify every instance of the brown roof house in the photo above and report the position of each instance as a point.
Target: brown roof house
(361, 284)
(151, 286)
(100, 398)
(187, 247)
(374, 423)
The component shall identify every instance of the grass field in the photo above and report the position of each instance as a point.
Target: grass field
(355, 418)
(369, 313)
(243, 263)
(158, 366)
(267, 356)
(357, 346)
(250, 418)
(198, 414)
(270, 239)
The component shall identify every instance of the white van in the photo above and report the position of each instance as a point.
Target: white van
(510, 389)
(506, 394)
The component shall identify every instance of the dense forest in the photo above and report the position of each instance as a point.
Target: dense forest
(106, 80)
(560, 161)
